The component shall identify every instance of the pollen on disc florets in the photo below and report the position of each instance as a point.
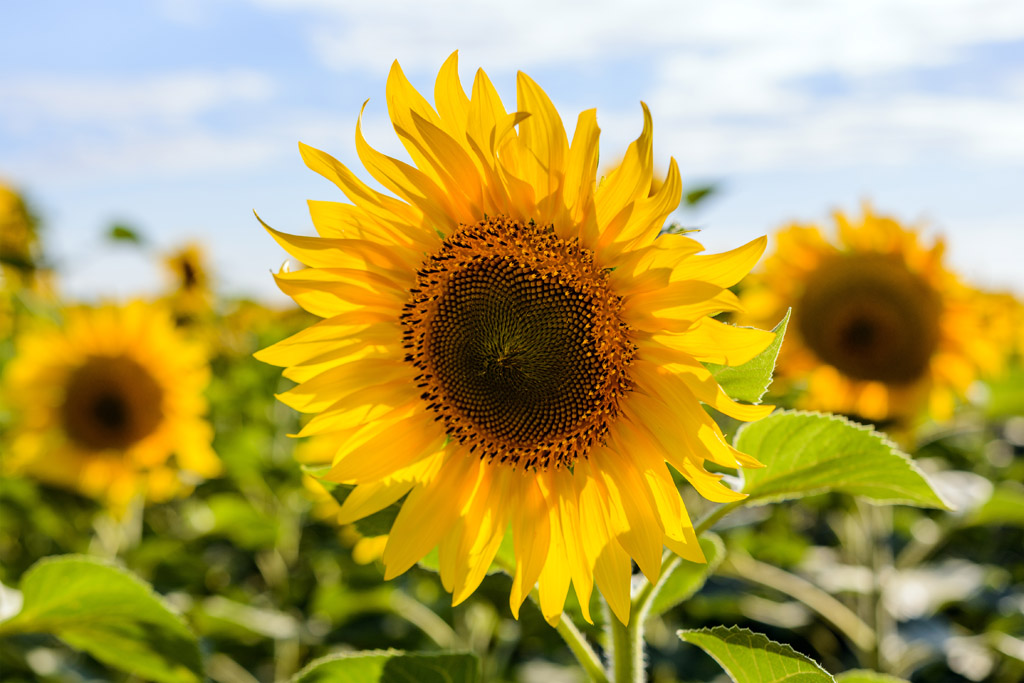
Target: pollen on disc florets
(517, 336)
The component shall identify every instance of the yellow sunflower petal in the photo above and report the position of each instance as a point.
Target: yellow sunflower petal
(430, 511)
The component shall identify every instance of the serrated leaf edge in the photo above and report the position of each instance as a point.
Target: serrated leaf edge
(732, 630)
(775, 361)
(882, 436)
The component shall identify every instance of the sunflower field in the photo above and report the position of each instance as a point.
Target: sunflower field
(517, 426)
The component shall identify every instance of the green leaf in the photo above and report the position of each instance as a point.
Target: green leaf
(237, 519)
(810, 453)
(377, 524)
(504, 559)
(123, 233)
(392, 667)
(750, 657)
(678, 229)
(110, 613)
(749, 382)
(699, 194)
(1005, 394)
(688, 577)
(866, 676)
(17, 261)
(1004, 506)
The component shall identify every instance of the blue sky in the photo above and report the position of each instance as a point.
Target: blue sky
(182, 117)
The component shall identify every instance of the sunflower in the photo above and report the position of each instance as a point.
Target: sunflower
(104, 402)
(190, 287)
(512, 348)
(1002, 323)
(19, 241)
(881, 329)
(21, 257)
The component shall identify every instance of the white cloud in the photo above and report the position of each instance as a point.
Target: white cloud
(113, 102)
(728, 80)
(862, 37)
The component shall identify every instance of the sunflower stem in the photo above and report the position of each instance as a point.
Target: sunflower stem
(627, 649)
(645, 596)
(572, 636)
(585, 654)
(628, 640)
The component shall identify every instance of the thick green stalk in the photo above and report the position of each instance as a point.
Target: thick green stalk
(627, 655)
(627, 649)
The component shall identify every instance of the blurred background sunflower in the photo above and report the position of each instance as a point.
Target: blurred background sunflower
(110, 403)
(881, 328)
(189, 283)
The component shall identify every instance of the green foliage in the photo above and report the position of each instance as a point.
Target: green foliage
(865, 676)
(504, 559)
(678, 229)
(810, 453)
(377, 524)
(233, 517)
(109, 613)
(750, 381)
(392, 667)
(750, 657)
(1004, 506)
(120, 232)
(17, 261)
(698, 194)
(1006, 394)
(688, 577)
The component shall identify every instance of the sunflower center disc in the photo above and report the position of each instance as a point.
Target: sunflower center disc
(110, 402)
(870, 318)
(519, 342)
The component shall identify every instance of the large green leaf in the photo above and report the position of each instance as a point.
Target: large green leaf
(750, 657)
(392, 667)
(688, 577)
(809, 453)
(111, 614)
(749, 382)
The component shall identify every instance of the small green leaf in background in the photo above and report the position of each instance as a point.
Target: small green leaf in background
(810, 453)
(235, 518)
(688, 577)
(749, 382)
(678, 229)
(392, 667)
(1004, 506)
(110, 613)
(750, 657)
(865, 676)
(1005, 394)
(504, 559)
(123, 233)
(699, 194)
(377, 524)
